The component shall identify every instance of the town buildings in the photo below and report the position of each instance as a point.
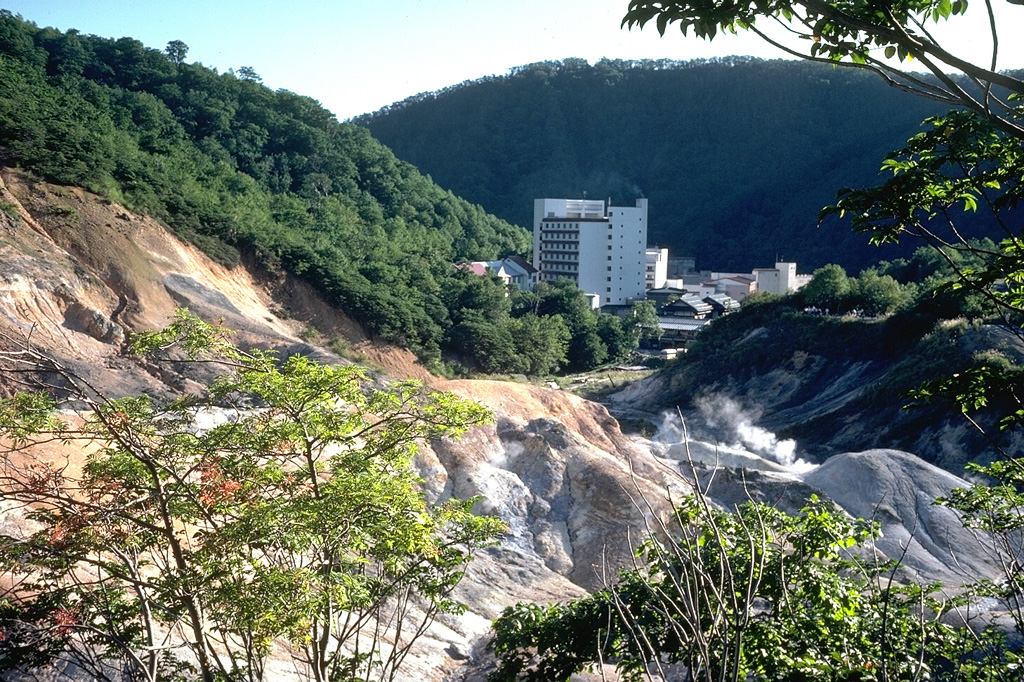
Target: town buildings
(781, 279)
(688, 302)
(513, 270)
(603, 248)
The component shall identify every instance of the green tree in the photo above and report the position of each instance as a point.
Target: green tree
(176, 51)
(587, 349)
(247, 73)
(541, 343)
(748, 595)
(643, 318)
(618, 335)
(182, 549)
(486, 343)
(829, 288)
(563, 298)
(879, 294)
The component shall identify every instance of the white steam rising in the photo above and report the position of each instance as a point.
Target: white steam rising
(739, 441)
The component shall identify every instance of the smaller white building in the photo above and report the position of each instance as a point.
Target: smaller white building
(512, 270)
(656, 269)
(782, 279)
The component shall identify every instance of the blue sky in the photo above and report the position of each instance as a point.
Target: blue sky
(356, 56)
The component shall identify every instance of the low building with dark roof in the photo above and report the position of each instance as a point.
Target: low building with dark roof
(665, 295)
(689, 306)
(677, 332)
(513, 270)
(721, 304)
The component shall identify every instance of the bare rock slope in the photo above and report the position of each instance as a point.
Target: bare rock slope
(80, 273)
(899, 490)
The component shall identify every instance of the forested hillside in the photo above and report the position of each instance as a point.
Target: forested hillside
(241, 170)
(736, 155)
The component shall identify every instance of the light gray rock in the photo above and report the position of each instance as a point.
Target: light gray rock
(899, 491)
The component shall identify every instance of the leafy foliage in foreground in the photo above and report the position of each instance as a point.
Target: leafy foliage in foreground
(182, 549)
(753, 595)
(233, 166)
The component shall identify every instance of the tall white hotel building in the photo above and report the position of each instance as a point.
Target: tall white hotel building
(600, 247)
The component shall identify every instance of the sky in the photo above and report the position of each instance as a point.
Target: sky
(356, 56)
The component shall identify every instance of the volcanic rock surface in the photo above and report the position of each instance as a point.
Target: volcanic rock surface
(80, 273)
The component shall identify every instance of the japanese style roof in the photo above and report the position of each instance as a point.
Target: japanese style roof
(681, 324)
(666, 291)
(722, 302)
(689, 303)
(521, 264)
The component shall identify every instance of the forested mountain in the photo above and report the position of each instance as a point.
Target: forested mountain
(736, 155)
(239, 169)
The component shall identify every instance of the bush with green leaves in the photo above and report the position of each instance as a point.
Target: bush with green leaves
(752, 595)
(873, 293)
(10, 209)
(184, 550)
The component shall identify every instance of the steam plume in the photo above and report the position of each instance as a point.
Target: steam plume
(733, 424)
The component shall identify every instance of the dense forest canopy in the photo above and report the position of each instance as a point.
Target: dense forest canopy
(237, 168)
(736, 155)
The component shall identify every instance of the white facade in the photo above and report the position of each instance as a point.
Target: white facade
(601, 248)
(781, 279)
(656, 270)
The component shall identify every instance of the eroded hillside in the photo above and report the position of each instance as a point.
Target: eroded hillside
(837, 383)
(80, 274)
